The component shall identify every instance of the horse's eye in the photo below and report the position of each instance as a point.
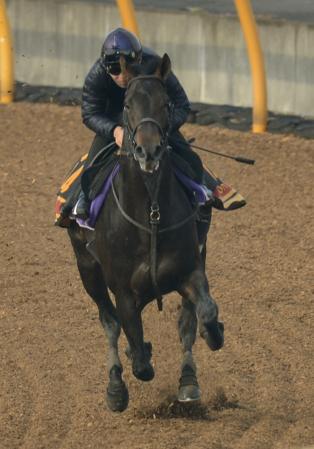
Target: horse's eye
(127, 106)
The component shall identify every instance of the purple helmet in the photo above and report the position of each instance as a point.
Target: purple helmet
(121, 42)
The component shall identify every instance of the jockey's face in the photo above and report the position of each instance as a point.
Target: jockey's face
(121, 80)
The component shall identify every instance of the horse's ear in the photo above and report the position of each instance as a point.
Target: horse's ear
(164, 67)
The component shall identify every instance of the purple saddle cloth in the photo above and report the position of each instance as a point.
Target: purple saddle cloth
(98, 201)
(201, 193)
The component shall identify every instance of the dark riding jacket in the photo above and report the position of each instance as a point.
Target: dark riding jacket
(102, 99)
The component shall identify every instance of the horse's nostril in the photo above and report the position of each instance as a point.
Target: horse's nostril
(139, 151)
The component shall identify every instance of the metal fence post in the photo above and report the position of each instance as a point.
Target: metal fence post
(6, 57)
(250, 32)
(127, 13)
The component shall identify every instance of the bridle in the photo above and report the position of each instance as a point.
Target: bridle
(154, 216)
(131, 132)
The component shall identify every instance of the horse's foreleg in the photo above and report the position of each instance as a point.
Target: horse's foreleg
(95, 286)
(117, 393)
(187, 324)
(195, 288)
(139, 352)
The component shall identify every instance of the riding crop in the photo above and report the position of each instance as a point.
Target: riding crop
(241, 159)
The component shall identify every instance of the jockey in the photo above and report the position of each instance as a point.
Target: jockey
(102, 106)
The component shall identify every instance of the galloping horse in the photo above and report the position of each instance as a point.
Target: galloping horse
(147, 243)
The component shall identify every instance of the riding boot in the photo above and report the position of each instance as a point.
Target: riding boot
(224, 197)
(81, 209)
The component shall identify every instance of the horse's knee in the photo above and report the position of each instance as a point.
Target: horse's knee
(207, 310)
(195, 287)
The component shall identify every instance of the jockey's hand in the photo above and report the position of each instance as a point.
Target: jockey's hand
(118, 135)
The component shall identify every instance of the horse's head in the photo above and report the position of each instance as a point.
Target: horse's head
(147, 112)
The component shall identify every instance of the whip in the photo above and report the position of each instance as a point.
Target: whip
(243, 160)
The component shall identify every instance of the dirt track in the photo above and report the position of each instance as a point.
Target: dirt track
(256, 393)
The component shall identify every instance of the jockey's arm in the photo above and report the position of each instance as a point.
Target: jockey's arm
(95, 101)
(179, 100)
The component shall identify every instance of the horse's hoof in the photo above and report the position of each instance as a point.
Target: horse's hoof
(117, 396)
(213, 334)
(145, 373)
(189, 393)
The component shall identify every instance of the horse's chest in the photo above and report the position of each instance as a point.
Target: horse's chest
(170, 270)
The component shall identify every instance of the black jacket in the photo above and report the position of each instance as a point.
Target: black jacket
(102, 100)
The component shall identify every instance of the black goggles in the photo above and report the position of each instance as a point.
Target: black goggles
(114, 68)
(112, 63)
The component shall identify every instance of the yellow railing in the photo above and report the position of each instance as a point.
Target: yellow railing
(127, 13)
(250, 32)
(6, 57)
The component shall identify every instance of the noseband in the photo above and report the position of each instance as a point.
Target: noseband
(131, 133)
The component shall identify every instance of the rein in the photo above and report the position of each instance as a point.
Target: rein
(154, 215)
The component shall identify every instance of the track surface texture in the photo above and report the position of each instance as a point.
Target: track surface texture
(257, 392)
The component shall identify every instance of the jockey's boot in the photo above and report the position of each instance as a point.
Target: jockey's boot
(227, 198)
(81, 209)
(224, 197)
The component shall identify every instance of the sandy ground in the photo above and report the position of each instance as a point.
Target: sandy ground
(257, 392)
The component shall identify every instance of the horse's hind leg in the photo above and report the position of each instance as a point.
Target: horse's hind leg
(187, 324)
(195, 288)
(95, 286)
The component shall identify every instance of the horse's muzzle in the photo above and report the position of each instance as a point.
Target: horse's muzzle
(148, 158)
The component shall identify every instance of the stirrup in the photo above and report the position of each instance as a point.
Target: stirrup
(81, 208)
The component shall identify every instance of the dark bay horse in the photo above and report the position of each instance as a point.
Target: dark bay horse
(147, 243)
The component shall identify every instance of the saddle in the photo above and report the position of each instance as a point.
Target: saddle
(91, 180)
(96, 181)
